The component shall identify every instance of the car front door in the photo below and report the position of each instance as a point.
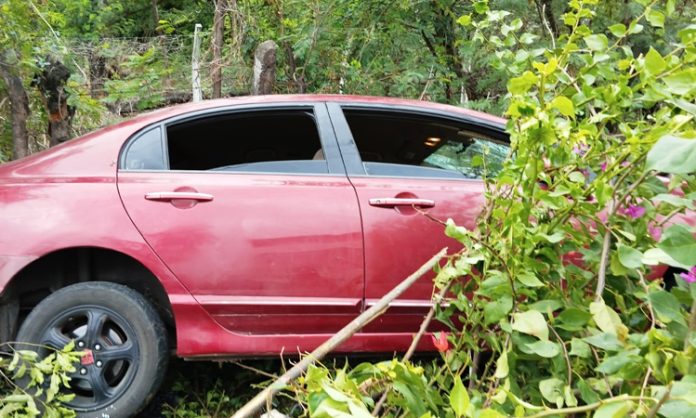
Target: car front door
(252, 210)
(404, 164)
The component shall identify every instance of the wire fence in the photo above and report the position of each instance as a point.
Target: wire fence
(142, 72)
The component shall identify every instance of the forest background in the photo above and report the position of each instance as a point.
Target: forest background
(69, 66)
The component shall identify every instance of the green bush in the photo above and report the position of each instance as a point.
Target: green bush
(38, 392)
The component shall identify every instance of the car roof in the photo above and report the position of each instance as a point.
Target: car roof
(182, 109)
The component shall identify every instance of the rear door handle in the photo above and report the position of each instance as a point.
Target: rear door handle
(169, 196)
(390, 202)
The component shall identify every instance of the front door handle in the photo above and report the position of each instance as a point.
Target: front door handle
(169, 196)
(391, 202)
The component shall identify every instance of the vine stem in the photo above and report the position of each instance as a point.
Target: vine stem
(591, 407)
(604, 260)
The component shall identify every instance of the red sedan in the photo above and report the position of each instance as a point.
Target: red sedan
(241, 227)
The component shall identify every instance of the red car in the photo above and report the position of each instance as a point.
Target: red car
(230, 228)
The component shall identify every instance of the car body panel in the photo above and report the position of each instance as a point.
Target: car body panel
(262, 238)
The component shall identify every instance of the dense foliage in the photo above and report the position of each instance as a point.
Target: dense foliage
(126, 56)
(31, 386)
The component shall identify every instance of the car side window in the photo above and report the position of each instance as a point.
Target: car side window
(146, 152)
(406, 145)
(260, 141)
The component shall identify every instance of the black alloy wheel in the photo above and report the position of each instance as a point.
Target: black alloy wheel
(123, 340)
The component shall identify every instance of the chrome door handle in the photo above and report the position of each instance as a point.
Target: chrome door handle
(390, 202)
(169, 196)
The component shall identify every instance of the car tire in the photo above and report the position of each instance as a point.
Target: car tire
(124, 335)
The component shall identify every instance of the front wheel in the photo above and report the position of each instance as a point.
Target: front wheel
(124, 339)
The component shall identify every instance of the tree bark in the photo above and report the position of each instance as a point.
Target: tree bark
(97, 74)
(51, 83)
(264, 68)
(221, 7)
(155, 16)
(19, 106)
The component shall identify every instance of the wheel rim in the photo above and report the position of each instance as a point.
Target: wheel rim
(111, 354)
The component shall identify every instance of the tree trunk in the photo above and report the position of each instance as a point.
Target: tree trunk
(221, 7)
(97, 74)
(264, 68)
(445, 36)
(155, 16)
(19, 107)
(51, 82)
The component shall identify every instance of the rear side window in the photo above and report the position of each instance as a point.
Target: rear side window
(146, 152)
(400, 144)
(277, 141)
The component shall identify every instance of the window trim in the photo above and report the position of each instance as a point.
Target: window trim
(319, 112)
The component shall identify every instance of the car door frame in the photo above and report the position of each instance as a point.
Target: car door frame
(335, 168)
(355, 168)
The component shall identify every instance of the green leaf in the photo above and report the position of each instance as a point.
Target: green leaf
(630, 257)
(682, 399)
(656, 256)
(618, 30)
(614, 410)
(654, 63)
(679, 243)
(569, 396)
(522, 84)
(586, 393)
(464, 20)
(607, 320)
(605, 341)
(497, 309)
(564, 105)
(655, 18)
(597, 42)
(573, 319)
(672, 154)
(552, 390)
(546, 349)
(501, 366)
(688, 34)
(490, 413)
(528, 279)
(579, 348)
(684, 105)
(532, 323)
(667, 307)
(682, 82)
(459, 398)
(634, 28)
(674, 200)
(613, 364)
(577, 177)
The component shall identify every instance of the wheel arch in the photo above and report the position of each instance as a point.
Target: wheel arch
(66, 266)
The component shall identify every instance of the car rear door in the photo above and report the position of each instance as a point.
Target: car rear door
(384, 149)
(251, 208)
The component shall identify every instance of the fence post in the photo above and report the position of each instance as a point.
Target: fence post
(195, 64)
